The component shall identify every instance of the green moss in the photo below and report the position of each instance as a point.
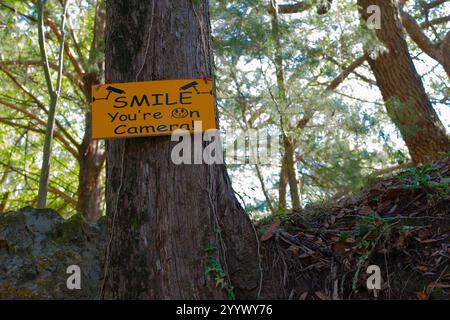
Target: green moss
(12, 218)
(71, 230)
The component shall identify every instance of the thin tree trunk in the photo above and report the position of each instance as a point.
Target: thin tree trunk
(282, 94)
(6, 194)
(91, 161)
(446, 52)
(54, 95)
(4, 201)
(292, 173)
(164, 216)
(264, 189)
(282, 188)
(92, 156)
(406, 101)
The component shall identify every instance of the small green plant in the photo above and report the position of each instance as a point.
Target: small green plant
(443, 184)
(362, 259)
(417, 177)
(284, 217)
(214, 268)
(343, 236)
(365, 224)
(361, 229)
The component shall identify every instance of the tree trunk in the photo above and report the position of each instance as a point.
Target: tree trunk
(91, 155)
(446, 53)
(291, 173)
(403, 92)
(288, 158)
(164, 216)
(282, 184)
(89, 177)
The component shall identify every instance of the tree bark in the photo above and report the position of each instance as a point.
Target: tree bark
(291, 172)
(282, 184)
(91, 155)
(406, 101)
(163, 216)
(91, 159)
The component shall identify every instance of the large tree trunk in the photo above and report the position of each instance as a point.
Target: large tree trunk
(163, 216)
(406, 100)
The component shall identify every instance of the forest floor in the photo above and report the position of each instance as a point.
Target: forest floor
(400, 224)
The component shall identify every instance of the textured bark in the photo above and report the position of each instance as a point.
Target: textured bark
(282, 188)
(291, 172)
(406, 100)
(446, 53)
(91, 156)
(163, 216)
(91, 161)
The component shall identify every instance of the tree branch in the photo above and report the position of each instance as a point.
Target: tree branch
(38, 103)
(51, 189)
(418, 36)
(440, 20)
(294, 7)
(54, 27)
(345, 73)
(73, 78)
(434, 4)
(43, 123)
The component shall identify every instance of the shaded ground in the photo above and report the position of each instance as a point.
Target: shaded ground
(401, 224)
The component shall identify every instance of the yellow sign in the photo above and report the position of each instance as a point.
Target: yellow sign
(149, 108)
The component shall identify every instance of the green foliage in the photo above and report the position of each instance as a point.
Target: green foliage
(284, 217)
(214, 268)
(417, 177)
(23, 103)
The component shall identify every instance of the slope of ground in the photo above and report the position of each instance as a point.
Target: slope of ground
(400, 224)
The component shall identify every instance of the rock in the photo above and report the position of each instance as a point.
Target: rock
(37, 247)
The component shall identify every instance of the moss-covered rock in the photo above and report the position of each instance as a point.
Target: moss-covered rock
(37, 247)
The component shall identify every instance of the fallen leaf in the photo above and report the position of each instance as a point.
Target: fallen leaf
(321, 295)
(424, 233)
(303, 296)
(366, 210)
(384, 205)
(293, 249)
(271, 230)
(341, 214)
(339, 248)
(422, 295)
(423, 268)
